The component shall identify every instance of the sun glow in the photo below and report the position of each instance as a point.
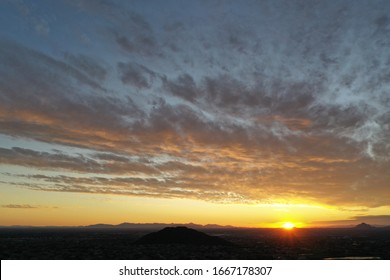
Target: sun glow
(288, 225)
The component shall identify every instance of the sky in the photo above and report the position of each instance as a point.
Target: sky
(245, 113)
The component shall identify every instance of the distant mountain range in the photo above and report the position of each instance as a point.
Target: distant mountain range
(156, 226)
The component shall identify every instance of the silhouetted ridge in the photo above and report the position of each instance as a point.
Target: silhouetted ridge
(181, 235)
(157, 226)
(363, 226)
(100, 226)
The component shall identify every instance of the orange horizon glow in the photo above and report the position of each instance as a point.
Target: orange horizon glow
(67, 209)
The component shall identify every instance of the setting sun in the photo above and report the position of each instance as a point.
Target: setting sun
(288, 225)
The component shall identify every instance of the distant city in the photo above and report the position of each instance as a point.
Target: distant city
(192, 241)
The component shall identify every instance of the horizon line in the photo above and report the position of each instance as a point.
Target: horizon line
(194, 224)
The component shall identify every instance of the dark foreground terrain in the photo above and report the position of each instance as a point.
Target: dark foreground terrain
(114, 243)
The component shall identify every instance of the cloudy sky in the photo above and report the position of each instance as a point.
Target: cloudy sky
(231, 112)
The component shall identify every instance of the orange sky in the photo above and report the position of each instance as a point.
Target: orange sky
(69, 209)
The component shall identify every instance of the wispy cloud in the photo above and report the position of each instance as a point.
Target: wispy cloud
(24, 206)
(19, 206)
(136, 75)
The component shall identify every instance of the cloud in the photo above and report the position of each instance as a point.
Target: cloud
(99, 163)
(137, 37)
(209, 175)
(263, 133)
(19, 206)
(130, 31)
(184, 87)
(88, 65)
(132, 186)
(24, 206)
(136, 75)
(15, 55)
(277, 102)
(50, 101)
(231, 95)
(141, 44)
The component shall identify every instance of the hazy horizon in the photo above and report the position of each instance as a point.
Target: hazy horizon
(249, 113)
(318, 226)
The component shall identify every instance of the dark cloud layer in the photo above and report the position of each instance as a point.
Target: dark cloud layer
(281, 101)
(136, 75)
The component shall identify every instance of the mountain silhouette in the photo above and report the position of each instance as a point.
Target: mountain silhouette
(181, 235)
(156, 226)
(363, 226)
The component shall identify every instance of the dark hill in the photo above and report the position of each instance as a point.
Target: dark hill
(181, 235)
(157, 226)
(363, 226)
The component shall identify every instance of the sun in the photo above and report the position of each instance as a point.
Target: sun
(288, 225)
